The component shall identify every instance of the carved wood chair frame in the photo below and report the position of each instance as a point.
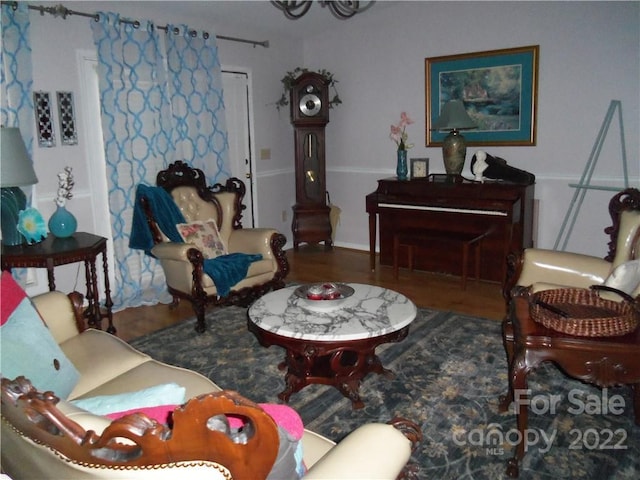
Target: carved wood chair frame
(628, 199)
(180, 174)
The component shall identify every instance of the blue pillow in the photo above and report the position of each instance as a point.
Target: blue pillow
(27, 346)
(164, 394)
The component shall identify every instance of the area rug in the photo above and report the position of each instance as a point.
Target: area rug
(449, 374)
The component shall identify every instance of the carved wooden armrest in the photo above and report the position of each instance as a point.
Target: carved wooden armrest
(176, 251)
(514, 269)
(77, 304)
(408, 429)
(199, 433)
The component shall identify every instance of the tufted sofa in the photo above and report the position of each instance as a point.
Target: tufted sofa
(48, 437)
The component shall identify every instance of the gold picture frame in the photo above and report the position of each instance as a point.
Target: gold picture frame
(499, 89)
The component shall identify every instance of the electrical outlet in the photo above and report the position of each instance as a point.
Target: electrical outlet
(284, 215)
(265, 154)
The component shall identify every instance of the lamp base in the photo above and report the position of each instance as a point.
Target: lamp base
(454, 152)
(13, 201)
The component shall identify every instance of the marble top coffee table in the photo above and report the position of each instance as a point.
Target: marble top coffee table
(334, 345)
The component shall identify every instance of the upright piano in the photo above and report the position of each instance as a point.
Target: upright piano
(452, 204)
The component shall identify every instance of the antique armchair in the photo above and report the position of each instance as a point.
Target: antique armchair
(544, 269)
(184, 263)
(603, 361)
(533, 269)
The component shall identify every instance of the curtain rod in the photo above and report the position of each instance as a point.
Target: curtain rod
(62, 11)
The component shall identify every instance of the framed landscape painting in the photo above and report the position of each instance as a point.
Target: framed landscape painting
(498, 89)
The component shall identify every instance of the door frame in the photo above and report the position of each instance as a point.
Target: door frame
(251, 200)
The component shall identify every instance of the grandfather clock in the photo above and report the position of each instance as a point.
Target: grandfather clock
(309, 116)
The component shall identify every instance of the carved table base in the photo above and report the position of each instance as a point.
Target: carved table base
(331, 344)
(602, 361)
(342, 364)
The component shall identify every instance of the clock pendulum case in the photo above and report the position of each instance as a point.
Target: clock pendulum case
(309, 116)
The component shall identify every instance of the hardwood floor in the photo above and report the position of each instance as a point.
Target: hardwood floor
(311, 263)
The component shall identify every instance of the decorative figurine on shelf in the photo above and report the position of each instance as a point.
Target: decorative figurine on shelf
(497, 168)
(63, 223)
(479, 166)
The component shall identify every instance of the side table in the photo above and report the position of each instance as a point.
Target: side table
(601, 361)
(53, 251)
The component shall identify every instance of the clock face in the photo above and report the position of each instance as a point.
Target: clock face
(310, 104)
(419, 167)
(309, 100)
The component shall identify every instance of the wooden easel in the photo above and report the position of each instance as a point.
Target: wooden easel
(585, 180)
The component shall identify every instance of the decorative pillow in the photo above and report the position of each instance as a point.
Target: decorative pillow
(27, 346)
(165, 394)
(205, 236)
(625, 277)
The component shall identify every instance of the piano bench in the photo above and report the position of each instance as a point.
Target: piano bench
(413, 238)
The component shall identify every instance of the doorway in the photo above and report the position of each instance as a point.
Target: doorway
(237, 105)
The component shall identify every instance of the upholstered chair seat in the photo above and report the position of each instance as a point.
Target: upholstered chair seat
(543, 269)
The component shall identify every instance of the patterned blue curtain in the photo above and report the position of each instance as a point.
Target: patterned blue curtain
(195, 85)
(151, 117)
(16, 77)
(16, 82)
(136, 125)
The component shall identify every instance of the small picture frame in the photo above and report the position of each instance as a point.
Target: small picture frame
(44, 119)
(419, 168)
(67, 118)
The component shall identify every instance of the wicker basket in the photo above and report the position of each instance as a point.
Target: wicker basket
(582, 312)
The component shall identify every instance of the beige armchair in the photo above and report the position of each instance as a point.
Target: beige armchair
(184, 264)
(544, 269)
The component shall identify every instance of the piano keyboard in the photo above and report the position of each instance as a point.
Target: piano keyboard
(496, 213)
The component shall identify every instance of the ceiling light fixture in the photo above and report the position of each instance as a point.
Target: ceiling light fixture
(342, 9)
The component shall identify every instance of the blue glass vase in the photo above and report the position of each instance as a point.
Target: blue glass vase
(401, 168)
(62, 223)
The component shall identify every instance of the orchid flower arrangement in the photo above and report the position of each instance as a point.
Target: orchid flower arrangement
(398, 132)
(65, 185)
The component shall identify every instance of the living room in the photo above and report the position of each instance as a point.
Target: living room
(451, 369)
(381, 50)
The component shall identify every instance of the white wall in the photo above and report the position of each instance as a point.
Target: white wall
(55, 43)
(589, 55)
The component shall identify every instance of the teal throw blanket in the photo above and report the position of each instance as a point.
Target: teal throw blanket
(225, 270)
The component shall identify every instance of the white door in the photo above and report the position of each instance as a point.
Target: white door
(237, 105)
